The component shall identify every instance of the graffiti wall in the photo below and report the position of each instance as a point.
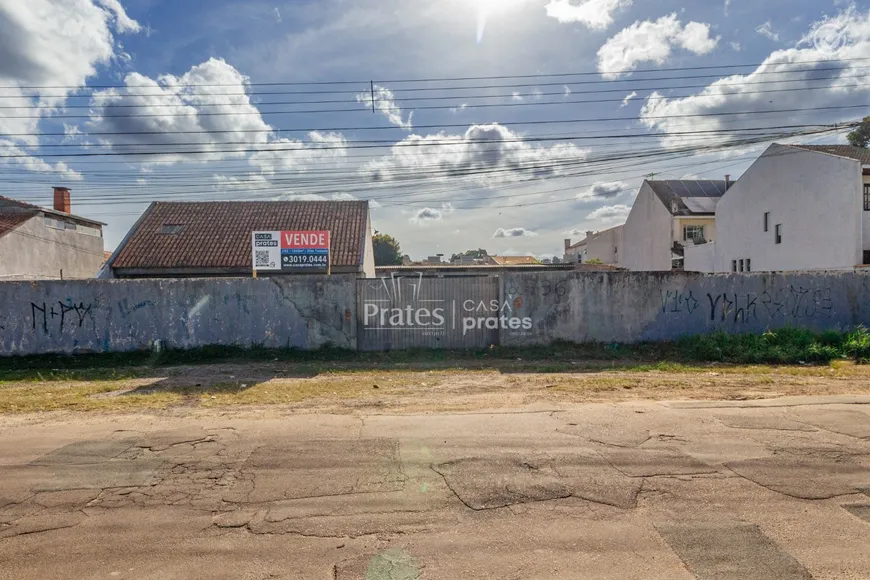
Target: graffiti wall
(631, 307)
(308, 312)
(123, 315)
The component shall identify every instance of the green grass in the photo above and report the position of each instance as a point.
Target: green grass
(784, 346)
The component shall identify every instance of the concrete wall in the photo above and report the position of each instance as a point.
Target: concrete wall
(522, 309)
(701, 258)
(34, 250)
(647, 239)
(817, 199)
(629, 307)
(123, 315)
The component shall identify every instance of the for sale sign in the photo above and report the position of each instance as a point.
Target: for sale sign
(289, 251)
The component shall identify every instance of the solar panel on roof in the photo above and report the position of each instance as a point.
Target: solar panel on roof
(701, 204)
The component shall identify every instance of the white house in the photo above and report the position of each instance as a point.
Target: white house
(666, 217)
(604, 246)
(798, 207)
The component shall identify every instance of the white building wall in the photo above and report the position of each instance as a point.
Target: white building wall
(865, 218)
(606, 246)
(34, 250)
(647, 237)
(817, 199)
(701, 258)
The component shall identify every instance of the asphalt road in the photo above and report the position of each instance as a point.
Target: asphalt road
(763, 490)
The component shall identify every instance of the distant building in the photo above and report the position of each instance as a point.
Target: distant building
(42, 243)
(666, 217)
(511, 260)
(798, 207)
(603, 246)
(213, 239)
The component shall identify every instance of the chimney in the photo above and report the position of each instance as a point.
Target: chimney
(727, 182)
(61, 200)
(589, 235)
(567, 244)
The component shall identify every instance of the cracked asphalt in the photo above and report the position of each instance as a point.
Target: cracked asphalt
(768, 489)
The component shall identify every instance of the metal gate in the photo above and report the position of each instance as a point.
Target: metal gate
(403, 312)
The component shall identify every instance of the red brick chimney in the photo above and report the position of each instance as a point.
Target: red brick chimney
(61, 200)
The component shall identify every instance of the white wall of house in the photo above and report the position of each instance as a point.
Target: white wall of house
(574, 253)
(865, 218)
(605, 246)
(815, 196)
(707, 223)
(36, 250)
(369, 251)
(647, 237)
(700, 258)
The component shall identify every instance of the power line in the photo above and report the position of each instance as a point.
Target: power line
(458, 79)
(113, 105)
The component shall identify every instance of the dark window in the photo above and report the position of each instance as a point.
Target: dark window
(867, 257)
(741, 265)
(733, 265)
(867, 197)
(171, 229)
(767, 213)
(778, 233)
(693, 233)
(748, 265)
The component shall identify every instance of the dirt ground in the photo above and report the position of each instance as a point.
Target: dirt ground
(415, 388)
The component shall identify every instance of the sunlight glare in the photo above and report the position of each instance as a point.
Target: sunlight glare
(487, 7)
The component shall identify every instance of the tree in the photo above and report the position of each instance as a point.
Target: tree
(596, 261)
(388, 252)
(860, 137)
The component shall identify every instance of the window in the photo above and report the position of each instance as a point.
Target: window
(733, 265)
(867, 197)
(89, 231)
(778, 234)
(54, 223)
(171, 229)
(741, 265)
(767, 213)
(693, 233)
(748, 265)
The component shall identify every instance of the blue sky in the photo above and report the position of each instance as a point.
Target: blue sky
(487, 177)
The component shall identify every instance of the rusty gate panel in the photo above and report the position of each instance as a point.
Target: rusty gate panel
(403, 312)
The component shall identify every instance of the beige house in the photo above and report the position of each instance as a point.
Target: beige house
(666, 217)
(603, 246)
(38, 243)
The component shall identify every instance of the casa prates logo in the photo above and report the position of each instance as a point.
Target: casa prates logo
(438, 315)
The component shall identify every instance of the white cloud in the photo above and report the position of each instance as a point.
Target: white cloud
(628, 98)
(49, 43)
(513, 233)
(187, 109)
(766, 29)
(298, 155)
(490, 154)
(604, 190)
(460, 108)
(122, 22)
(594, 14)
(610, 213)
(736, 46)
(844, 48)
(652, 41)
(385, 102)
(517, 97)
(427, 214)
(14, 155)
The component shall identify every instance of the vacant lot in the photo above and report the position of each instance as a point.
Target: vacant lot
(434, 385)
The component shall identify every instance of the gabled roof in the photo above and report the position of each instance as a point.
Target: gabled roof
(514, 260)
(595, 235)
(217, 234)
(847, 151)
(678, 190)
(8, 202)
(10, 221)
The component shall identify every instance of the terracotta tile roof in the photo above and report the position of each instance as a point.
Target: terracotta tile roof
(218, 234)
(847, 151)
(10, 221)
(514, 260)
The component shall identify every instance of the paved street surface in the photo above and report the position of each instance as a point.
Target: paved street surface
(776, 489)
